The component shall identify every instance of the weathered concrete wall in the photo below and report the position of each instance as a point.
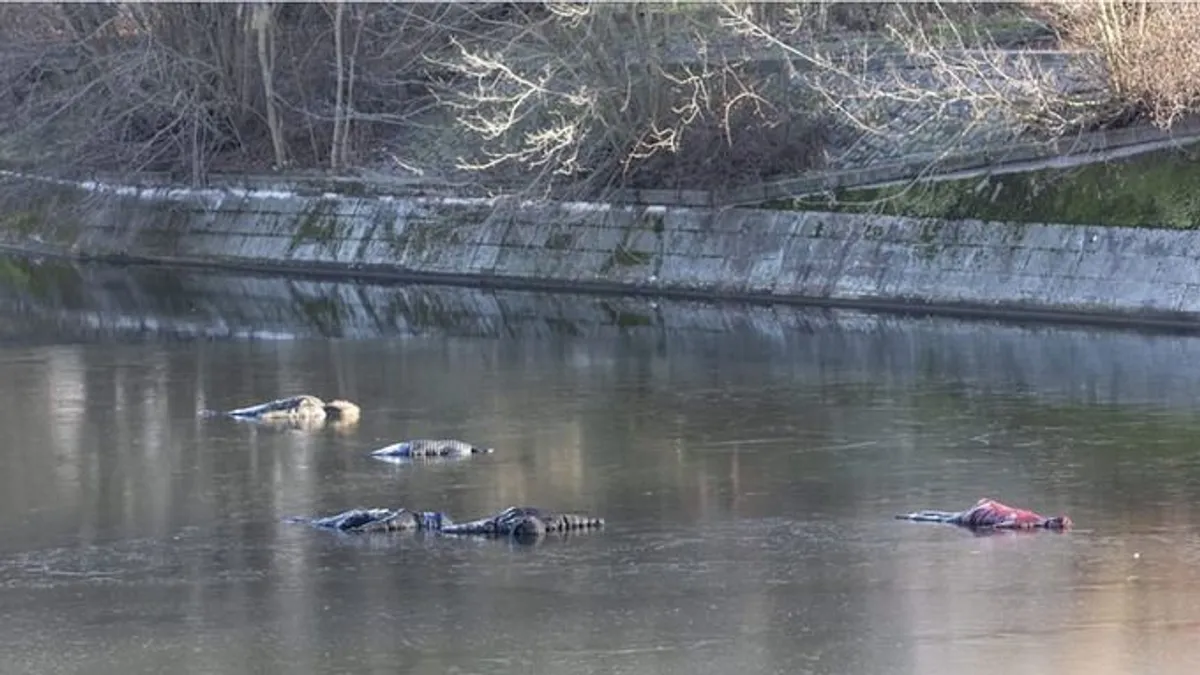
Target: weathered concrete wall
(838, 259)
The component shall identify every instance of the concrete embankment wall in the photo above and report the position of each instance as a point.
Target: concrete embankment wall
(838, 259)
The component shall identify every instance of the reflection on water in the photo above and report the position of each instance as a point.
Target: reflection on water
(748, 462)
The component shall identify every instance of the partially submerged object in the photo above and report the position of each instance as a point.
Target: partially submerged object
(989, 514)
(524, 522)
(518, 522)
(424, 447)
(304, 410)
(379, 520)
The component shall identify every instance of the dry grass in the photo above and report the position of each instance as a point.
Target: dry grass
(1145, 53)
(190, 88)
(556, 98)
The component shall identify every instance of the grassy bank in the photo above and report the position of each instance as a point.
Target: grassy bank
(1152, 190)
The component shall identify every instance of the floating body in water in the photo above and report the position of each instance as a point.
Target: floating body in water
(518, 522)
(303, 410)
(991, 514)
(525, 522)
(424, 447)
(379, 520)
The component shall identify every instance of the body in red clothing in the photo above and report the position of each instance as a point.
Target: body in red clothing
(991, 514)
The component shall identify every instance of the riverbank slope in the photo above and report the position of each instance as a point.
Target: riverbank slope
(1060, 272)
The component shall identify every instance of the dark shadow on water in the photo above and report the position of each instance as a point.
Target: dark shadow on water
(65, 301)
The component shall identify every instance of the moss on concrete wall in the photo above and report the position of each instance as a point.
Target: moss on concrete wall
(1153, 190)
(846, 258)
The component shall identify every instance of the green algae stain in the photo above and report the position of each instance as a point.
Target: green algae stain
(632, 320)
(559, 241)
(323, 313)
(41, 280)
(623, 318)
(1151, 190)
(623, 256)
(54, 223)
(23, 223)
(318, 225)
(14, 273)
(626, 257)
(422, 235)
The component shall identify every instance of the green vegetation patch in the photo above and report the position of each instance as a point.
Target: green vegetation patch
(424, 235)
(45, 280)
(559, 241)
(15, 272)
(21, 222)
(319, 226)
(623, 256)
(623, 318)
(1157, 189)
(626, 254)
(323, 313)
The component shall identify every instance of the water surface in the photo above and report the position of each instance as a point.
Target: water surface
(748, 461)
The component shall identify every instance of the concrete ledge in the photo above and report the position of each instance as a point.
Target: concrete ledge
(985, 268)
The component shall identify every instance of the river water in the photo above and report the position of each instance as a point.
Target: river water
(748, 462)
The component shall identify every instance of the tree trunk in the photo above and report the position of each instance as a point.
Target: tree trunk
(351, 72)
(264, 25)
(336, 151)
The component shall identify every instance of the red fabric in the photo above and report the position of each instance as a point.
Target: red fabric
(991, 513)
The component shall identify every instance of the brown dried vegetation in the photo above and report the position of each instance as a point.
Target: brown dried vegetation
(559, 98)
(1143, 53)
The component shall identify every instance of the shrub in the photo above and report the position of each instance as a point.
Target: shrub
(602, 95)
(1143, 52)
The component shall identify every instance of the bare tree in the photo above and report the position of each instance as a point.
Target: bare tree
(186, 87)
(263, 24)
(337, 150)
(595, 96)
(568, 98)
